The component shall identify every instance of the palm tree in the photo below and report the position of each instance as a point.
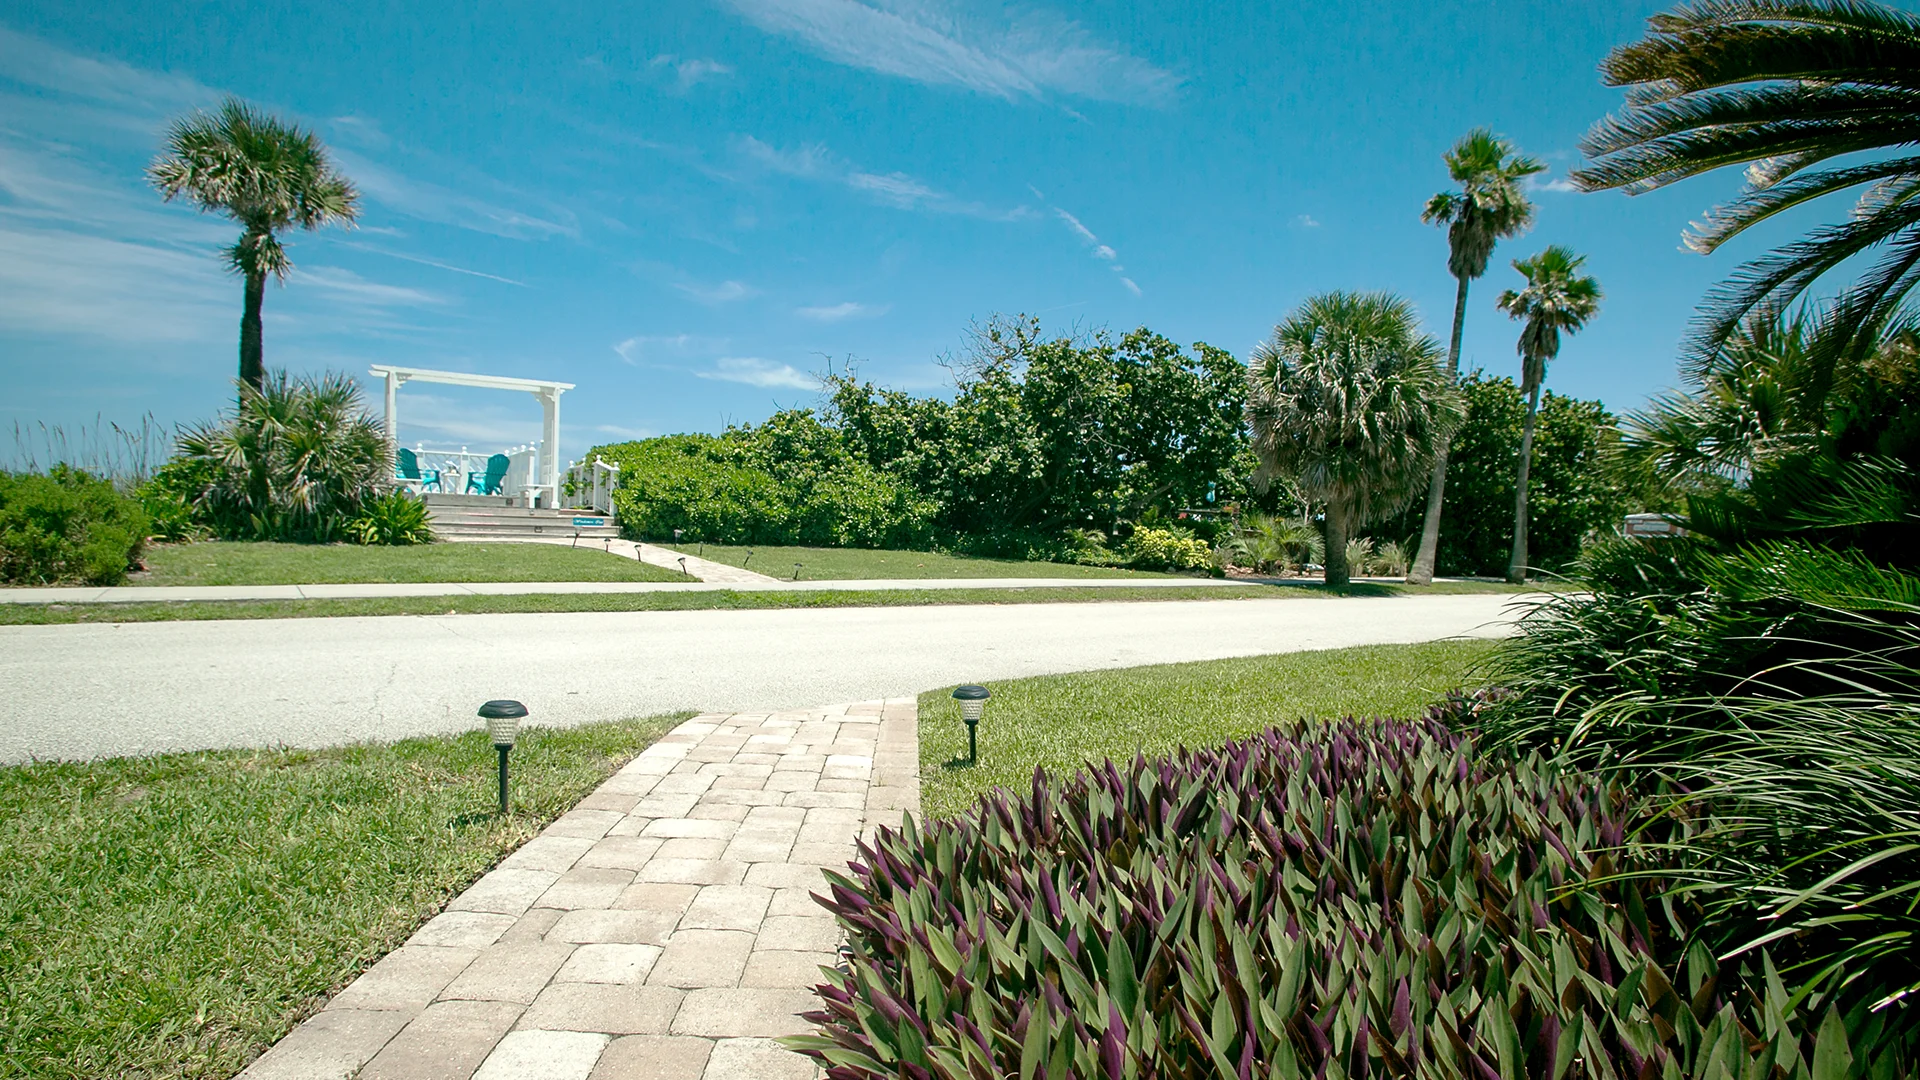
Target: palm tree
(264, 174)
(1780, 86)
(1488, 207)
(1558, 298)
(1348, 400)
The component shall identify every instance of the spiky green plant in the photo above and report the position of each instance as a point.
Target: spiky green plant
(1360, 555)
(1489, 206)
(1391, 558)
(1558, 299)
(267, 175)
(1816, 98)
(1275, 542)
(296, 460)
(1349, 402)
(396, 518)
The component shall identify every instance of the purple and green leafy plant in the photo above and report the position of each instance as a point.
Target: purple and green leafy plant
(1328, 900)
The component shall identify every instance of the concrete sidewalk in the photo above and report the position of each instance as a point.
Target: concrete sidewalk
(652, 554)
(129, 594)
(663, 929)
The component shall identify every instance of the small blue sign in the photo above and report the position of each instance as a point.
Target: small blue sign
(589, 521)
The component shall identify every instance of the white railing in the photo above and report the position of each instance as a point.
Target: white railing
(455, 466)
(591, 484)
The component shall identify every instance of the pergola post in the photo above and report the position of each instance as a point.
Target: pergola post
(393, 415)
(550, 442)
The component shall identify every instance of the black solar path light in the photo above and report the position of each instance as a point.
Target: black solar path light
(503, 724)
(973, 701)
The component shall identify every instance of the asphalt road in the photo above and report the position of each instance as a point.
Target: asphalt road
(94, 690)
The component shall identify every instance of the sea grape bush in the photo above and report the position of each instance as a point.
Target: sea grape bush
(1339, 900)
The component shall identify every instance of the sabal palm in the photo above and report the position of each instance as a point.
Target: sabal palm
(264, 174)
(1348, 401)
(1558, 300)
(295, 460)
(1784, 87)
(1489, 206)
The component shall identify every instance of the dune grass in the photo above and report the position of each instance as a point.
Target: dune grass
(173, 916)
(216, 562)
(1061, 722)
(840, 564)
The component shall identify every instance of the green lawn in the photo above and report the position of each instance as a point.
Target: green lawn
(1063, 721)
(839, 564)
(174, 916)
(229, 563)
(725, 599)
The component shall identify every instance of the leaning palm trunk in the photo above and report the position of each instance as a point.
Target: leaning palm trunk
(1517, 566)
(1421, 572)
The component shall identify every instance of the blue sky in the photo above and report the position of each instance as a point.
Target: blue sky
(686, 208)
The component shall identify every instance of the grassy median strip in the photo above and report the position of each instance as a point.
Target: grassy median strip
(214, 562)
(845, 564)
(1061, 722)
(723, 600)
(172, 916)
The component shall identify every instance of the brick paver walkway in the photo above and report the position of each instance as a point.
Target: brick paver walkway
(662, 929)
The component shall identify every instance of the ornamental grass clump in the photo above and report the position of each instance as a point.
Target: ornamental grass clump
(1337, 900)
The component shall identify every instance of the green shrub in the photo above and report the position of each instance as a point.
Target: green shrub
(171, 497)
(296, 461)
(396, 518)
(1324, 900)
(67, 526)
(1574, 488)
(1168, 549)
(783, 483)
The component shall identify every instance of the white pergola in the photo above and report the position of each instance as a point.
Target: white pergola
(548, 471)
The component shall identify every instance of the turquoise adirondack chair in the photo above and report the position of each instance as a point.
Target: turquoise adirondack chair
(490, 483)
(409, 472)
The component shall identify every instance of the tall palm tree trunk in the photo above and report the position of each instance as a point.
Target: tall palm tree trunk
(253, 369)
(1421, 573)
(1517, 566)
(1339, 575)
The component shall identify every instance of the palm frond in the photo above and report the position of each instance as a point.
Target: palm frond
(1778, 86)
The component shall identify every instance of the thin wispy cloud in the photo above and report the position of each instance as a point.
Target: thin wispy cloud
(724, 293)
(687, 73)
(1305, 221)
(1559, 185)
(129, 90)
(1034, 55)
(838, 312)
(428, 201)
(620, 432)
(429, 262)
(349, 287)
(1100, 251)
(664, 349)
(69, 284)
(754, 371)
(896, 189)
